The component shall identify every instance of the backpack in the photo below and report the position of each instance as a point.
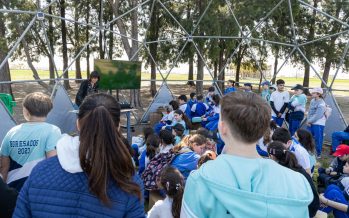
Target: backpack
(328, 111)
(153, 170)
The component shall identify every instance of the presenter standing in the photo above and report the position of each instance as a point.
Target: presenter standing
(87, 87)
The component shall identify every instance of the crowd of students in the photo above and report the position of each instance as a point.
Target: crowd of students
(207, 157)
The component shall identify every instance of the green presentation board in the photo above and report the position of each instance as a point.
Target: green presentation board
(115, 74)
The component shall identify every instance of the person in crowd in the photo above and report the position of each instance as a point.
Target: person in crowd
(283, 135)
(178, 133)
(166, 141)
(183, 106)
(211, 137)
(87, 87)
(207, 156)
(331, 174)
(7, 200)
(296, 108)
(339, 137)
(305, 138)
(247, 87)
(263, 142)
(278, 102)
(222, 187)
(188, 153)
(316, 118)
(192, 99)
(27, 144)
(208, 98)
(152, 147)
(231, 87)
(172, 182)
(168, 118)
(210, 120)
(139, 148)
(181, 118)
(93, 170)
(199, 109)
(278, 152)
(266, 90)
(335, 198)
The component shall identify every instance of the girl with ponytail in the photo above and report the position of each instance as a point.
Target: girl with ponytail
(172, 182)
(278, 152)
(92, 174)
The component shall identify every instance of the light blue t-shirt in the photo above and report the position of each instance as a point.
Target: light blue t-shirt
(26, 145)
(299, 102)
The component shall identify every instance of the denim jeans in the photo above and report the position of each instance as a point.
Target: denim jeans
(278, 121)
(334, 193)
(318, 133)
(338, 137)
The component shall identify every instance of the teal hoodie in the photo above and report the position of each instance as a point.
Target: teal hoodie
(233, 186)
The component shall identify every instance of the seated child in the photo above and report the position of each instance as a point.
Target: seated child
(283, 135)
(183, 106)
(331, 174)
(231, 87)
(210, 121)
(171, 181)
(207, 156)
(208, 98)
(199, 109)
(152, 146)
(192, 99)
(25, 145)
(178, 133)
(247, 87)
(139, 145)
(168, 118)
(181, 118)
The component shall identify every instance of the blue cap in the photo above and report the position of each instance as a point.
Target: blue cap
(265, 83)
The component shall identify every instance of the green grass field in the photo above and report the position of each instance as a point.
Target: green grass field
(44, 74)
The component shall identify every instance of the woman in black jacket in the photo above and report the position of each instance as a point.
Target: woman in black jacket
(87, 87)
(8, 197)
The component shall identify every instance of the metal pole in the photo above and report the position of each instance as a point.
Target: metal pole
(324, 37)
(16, 11)
(17, 43)
(292, 22)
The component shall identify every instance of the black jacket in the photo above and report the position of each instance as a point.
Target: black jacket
(347, 129)
(8, 197)
(82, 93)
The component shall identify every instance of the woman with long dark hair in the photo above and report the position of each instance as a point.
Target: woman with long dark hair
(87, 87)
(92, 175)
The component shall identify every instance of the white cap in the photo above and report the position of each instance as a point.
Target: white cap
(317, 89)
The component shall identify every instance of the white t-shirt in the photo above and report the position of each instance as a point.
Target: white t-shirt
(183, 107)
(301, 154)
(279, 99)
(162, 208)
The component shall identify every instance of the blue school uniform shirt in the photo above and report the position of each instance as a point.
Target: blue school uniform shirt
(26, 145)
(230, 89)
(199, 109)
(191, 102)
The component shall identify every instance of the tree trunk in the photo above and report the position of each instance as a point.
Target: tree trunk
(308, 49)
(87, 34)
(215, 69)
(101, 32)
(327, 69)
(238, 69)
(152, 77)
(276, 63)
(77, 42)
(111, 38)
(200, 75)
(64, 45)
(50, 38)
(153, 48)
(191, 71)
(5, 71)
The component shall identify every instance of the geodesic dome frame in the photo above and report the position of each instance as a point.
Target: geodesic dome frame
(189, 37)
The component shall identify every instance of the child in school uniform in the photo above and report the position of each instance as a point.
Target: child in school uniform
(167, 118)
(208, 98)
(181, 118)
(171, 181)
(192, 99)
(266, 92)
(183, 106)
(247, 87)
(178, 133)
(316, 119)
(231, 87)
(199, 109)
(152, 146)
(210, 121)
(297, 108)
(25, 145)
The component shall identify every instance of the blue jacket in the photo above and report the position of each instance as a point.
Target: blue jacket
(186, 162)
(200, 109)
(50, 191)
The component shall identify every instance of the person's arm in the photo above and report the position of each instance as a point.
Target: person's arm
(333, 204)
(319, 113)
(81, 94)
(5, 166)
(273, 107)
(282, 110)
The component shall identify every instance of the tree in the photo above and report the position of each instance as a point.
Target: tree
(64, 44)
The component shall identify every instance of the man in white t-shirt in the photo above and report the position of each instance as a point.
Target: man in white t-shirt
(278, 102)
(302, 155)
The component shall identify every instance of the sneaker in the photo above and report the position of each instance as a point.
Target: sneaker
(318, 156)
